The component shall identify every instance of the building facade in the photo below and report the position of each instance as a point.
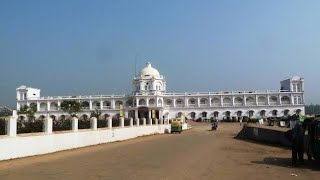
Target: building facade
(150, 99)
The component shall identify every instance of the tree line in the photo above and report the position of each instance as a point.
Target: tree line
(312, 109)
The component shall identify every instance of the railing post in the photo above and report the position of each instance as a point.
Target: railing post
(93, 123)
(48, 124)
(12, 126)
(131, 122)
(109, 122)
(74, 124)
(122, 122)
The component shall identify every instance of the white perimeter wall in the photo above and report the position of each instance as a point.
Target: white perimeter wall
(16, 147)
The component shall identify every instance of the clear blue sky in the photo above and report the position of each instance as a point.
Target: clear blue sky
(89, 47)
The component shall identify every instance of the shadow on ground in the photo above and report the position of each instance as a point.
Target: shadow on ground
(286, 162)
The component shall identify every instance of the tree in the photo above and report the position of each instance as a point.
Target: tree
(71, 107)
(96, 113)
(28, 111)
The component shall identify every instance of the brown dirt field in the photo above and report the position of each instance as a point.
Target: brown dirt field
(194, 154)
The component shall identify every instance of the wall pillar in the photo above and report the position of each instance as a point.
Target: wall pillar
(137, 121)
(12, 126)
(157, 121)
(122, 122)
(48, 124)
(149, 114)
(94, 123)
(109, 122)
(150, 121)
(74, 124)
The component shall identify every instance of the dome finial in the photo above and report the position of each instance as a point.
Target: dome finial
(148, 64)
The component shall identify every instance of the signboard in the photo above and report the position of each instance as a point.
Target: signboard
(121, 110)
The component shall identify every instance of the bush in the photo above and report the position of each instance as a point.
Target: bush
(102, 123)
(84, 124)
(115, 122)
(62, 125)
(2, 127)
(30, 126)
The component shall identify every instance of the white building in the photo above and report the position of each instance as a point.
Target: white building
(149, 93)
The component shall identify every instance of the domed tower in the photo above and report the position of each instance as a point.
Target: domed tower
(149, 82)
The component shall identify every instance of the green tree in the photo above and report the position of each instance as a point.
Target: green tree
(28, 111)
(71, 107)
(96, 113)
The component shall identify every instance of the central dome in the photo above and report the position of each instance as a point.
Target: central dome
(149, 71)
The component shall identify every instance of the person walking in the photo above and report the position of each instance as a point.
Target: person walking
(297, 143)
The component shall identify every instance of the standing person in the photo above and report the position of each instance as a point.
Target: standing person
(297, 143)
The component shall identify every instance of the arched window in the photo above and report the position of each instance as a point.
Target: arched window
(193, 115)
(204, 114)
(251, 113)
(274, 113)
(286, 112)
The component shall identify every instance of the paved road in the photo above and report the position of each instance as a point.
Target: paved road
(194, 154)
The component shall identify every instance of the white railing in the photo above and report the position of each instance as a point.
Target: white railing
(226, 92)
(77, 97)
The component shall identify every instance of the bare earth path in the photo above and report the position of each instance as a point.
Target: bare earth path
(194, 154)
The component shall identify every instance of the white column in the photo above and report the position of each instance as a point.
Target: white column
(245, 100)
(137, 102)
(48, 125)
(136, 115)
(109, 122)
(280, 103)
(210, 99)
(198, 101)
(38, 106)
(256, 99)
(268, 99)
(112, 104)
(161, 116)
(174, 102)
(144, 121)
(137, 121)
(233, 100)
(221, 100)
(147, 102)
(150, 114)
(186, 102)
(74, 124)
(122, 122)
(131, 122)
(150, 121)
(157, 121)
(48, 106)
(90, 105)
(101, 104)
(93, 123)
(12, 126)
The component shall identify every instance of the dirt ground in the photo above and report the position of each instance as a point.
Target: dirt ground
(194, 154)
